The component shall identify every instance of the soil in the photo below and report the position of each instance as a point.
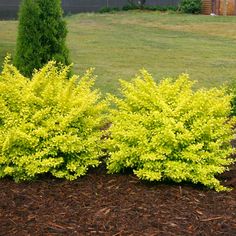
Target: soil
(102, 204)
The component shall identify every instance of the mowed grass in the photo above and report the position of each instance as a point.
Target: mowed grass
(119, 45)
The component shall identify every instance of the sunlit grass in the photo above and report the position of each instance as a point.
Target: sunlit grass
(120, 44)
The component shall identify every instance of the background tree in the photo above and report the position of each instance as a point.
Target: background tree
(190, 6)
(41, 35)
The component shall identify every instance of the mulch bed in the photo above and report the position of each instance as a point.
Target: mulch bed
(101, 204)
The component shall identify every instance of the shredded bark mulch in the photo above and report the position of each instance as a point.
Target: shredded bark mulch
(101, 204)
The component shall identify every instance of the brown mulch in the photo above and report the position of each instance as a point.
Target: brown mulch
(101, 204)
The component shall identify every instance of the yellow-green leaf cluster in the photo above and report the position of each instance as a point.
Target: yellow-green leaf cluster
(168, 131)
(49, 124)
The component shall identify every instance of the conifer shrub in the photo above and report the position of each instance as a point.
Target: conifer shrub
(167, 131)
(41, 35)
(48, 124)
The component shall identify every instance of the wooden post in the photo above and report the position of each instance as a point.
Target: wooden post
(225, 5)
(235, 7)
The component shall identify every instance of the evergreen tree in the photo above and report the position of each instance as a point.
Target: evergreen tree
(41, 35)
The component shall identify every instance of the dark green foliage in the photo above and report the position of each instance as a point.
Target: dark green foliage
(132, 4)
(191, 6)
(109, 9)
(129, 7)
(161, 8)
(28, 42)
(149, 8)
(41, 35)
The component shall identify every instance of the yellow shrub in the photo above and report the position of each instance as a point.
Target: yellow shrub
(167, 131)
(48, 124)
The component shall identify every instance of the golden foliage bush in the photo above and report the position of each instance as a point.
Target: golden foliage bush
(168, 131)
(48, 124)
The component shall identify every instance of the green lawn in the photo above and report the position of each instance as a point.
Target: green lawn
(120, 44)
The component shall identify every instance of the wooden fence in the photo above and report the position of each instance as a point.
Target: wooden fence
(219, 7)
(9, 8)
